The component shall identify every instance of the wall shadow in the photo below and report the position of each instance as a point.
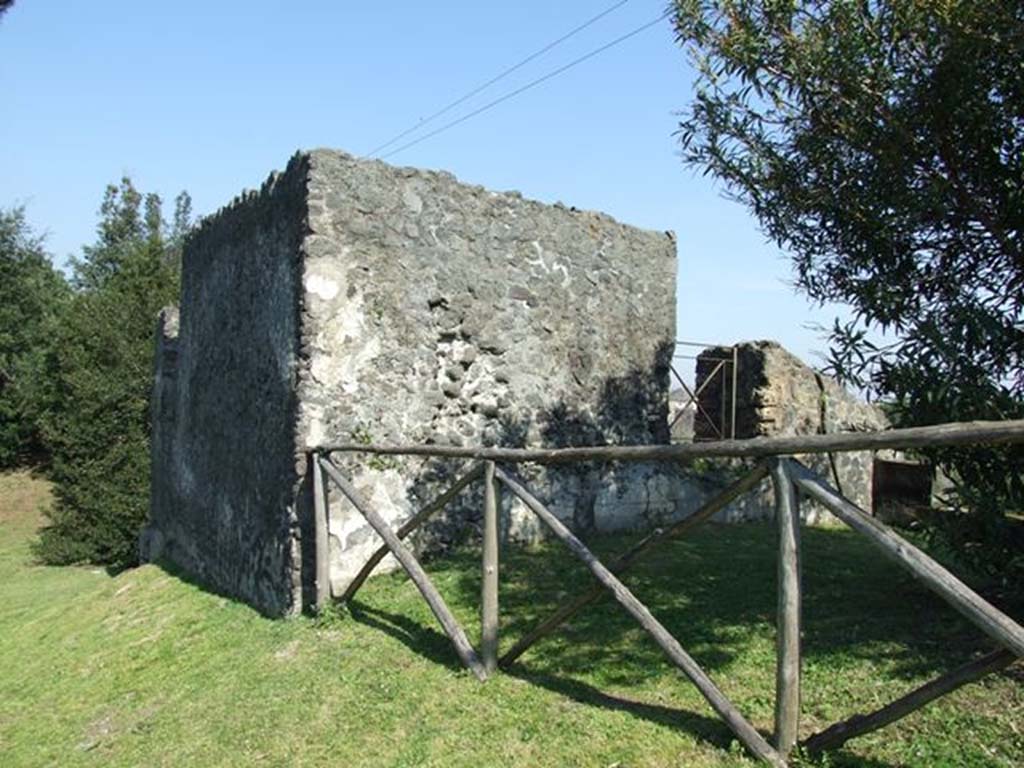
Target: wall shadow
(631, 409)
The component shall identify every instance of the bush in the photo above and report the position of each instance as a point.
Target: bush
(984, 522)
(879, 143)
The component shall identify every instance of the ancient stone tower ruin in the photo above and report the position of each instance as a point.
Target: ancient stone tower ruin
(351, 301)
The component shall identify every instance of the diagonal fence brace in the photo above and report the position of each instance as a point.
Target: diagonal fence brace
(411, 565)
(836, 735)
(986, 617)
(744, 731)
(411, 525)
(704, 513)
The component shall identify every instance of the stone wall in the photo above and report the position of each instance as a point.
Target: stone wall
(352, 301)
(779, 394)
(435, 311)
(163, 417)
(225, 476)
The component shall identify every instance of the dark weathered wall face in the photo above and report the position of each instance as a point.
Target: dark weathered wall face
(435, 310)
(225, 510)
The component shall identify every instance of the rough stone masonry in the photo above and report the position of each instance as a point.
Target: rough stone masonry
(352, 301)
(779, 394)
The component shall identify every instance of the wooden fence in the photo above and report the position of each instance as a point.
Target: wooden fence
(789, 478)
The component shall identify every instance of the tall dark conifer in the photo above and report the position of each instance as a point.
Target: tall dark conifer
(99, 431)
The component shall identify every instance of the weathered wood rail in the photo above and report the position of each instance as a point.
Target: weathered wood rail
(938, 436)
(788, 477)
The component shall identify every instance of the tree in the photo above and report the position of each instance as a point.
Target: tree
(882, 145)
(32, 293)
(99, 431)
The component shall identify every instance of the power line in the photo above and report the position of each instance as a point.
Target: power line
(529, 85)
(496, 78)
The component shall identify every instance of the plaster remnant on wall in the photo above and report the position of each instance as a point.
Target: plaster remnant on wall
(320, 286)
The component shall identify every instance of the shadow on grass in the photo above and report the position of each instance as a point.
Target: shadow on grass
(422, 640)
(182, 574)
(716, 590)
(709, 729)
(435, 646)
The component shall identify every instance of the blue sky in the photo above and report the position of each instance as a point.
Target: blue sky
(212, 96)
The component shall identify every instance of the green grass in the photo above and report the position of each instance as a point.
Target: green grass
(146, 669)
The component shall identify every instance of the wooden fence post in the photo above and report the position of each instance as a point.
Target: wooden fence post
(787, 671)
(489, 589)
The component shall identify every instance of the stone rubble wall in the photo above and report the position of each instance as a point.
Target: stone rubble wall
(349, 301)
(435, 311)
(780, 395)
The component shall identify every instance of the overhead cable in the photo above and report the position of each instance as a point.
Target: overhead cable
(530, 84)
(448, 107)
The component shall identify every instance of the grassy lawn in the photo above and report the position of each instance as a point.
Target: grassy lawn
(145, 669)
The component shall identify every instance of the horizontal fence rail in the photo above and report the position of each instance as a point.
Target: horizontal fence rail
(939, 436)
(789, 480)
